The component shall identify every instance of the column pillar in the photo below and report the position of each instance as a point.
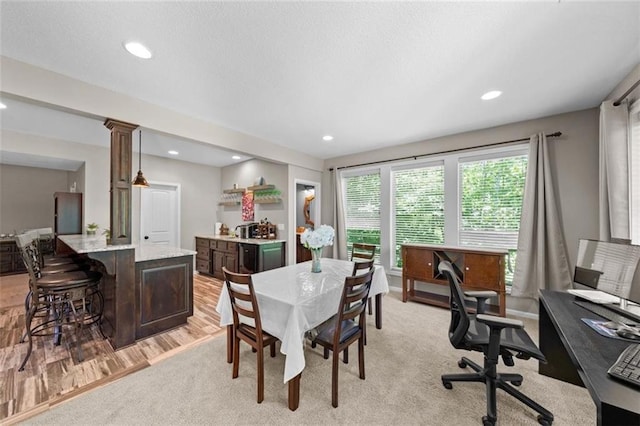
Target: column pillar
(120, 182)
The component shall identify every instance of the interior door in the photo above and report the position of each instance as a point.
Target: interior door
(159, 220)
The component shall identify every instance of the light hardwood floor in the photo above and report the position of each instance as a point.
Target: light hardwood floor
(53, 373)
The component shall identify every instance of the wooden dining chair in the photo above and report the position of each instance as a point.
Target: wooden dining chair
(346, 327)
(360, 252)
(246, 324)
(358, 268)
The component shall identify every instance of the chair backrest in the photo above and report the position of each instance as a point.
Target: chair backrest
(353, 301)
(243, 300)
(363, 251)
(360, 267)
(460, 321)
(588, 277)
(30, 257)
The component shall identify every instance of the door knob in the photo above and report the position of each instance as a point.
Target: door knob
(146, 237)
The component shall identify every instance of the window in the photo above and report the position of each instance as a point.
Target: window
(362, 209)
(418, 206)
(466, 198)
(491, 193)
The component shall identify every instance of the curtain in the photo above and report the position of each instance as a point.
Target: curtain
(340, 239)
(614, 171)
(542, 261)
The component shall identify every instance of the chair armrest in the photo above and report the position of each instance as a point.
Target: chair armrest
(499, 322)
(481, 296)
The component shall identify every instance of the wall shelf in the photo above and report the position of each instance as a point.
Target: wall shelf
(267, 201)
(261, 187)
(234, 191)
(229, 203)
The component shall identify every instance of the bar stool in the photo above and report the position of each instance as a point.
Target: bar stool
(59, 300)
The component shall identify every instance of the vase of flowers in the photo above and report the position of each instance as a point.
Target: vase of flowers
(315, 240)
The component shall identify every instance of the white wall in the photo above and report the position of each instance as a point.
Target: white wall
(26, 197)
(199, 192)
(245, 175)
(97, 168)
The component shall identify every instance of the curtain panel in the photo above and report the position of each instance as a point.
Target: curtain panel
(614, 171)
(340, 238)
(542, 261)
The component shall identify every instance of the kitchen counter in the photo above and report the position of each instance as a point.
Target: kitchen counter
(98, 243)
(147, 288)
(257, 241)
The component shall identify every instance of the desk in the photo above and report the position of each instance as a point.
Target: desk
(577, 354)
(293, 300)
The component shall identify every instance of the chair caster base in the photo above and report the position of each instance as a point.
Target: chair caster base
(462, 364)
(487, 421)
(545, 421)
(447, 385)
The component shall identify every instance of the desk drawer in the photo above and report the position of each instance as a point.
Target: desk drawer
(202, 243)
(203, 253)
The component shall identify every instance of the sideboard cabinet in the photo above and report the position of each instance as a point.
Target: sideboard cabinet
(478, 269)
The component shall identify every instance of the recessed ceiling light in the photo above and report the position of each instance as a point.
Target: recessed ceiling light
(491, 95)
(327, 138)
(2, 106)
(236, 157)
(138, 49)
(172, 152)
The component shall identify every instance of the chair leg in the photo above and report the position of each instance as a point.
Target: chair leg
(369, 303)
(230, 340)
(326, 353)
(361, 356)
(546, 414)
(272, 348)
(334, 379)
(30, 313)
(260, 361)
(236, 356)
(345, 355)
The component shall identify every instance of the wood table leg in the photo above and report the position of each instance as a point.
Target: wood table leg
(294, 393)
(230, 344)
(379, 311)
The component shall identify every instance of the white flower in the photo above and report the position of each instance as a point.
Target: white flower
(318, 238)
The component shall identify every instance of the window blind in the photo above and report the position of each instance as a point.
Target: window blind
(634, 190)
(418, 207)
(362, 209)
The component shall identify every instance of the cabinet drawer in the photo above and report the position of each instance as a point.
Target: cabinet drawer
(203, 266)
(202, 243)
(203, 253)
(8, 247)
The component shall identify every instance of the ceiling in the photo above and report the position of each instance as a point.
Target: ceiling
(372, 74)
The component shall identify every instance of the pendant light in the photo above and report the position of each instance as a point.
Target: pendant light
(140, 181)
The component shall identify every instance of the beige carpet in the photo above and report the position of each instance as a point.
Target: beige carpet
(404, 362)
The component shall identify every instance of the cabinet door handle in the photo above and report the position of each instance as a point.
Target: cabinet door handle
(466, 268)
(429, 264)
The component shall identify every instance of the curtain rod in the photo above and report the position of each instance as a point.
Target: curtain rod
(415, 157)
(627, 93)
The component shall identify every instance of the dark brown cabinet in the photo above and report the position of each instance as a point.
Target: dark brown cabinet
(10, 258)
(302, 253)
(477, 270)
(244, 257)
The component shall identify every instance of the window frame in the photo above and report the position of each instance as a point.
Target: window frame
(452, 191)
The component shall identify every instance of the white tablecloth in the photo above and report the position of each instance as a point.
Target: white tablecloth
(293, 300)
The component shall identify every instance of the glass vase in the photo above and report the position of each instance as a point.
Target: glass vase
(316, 254)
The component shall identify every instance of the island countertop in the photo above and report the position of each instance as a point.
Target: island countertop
(82, 243)
(256, 241)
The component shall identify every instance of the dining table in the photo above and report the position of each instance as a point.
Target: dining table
(292, 301)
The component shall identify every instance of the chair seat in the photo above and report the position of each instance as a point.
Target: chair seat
(68, 279)
(513, 339)
(250, 332)
(63, 268)
(327, 330)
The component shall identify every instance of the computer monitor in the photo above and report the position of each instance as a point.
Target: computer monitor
(612, 266)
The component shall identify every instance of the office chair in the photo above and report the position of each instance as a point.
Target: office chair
(493, 336)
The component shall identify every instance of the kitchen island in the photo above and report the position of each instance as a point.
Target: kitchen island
(244, 255)
(147, 288)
